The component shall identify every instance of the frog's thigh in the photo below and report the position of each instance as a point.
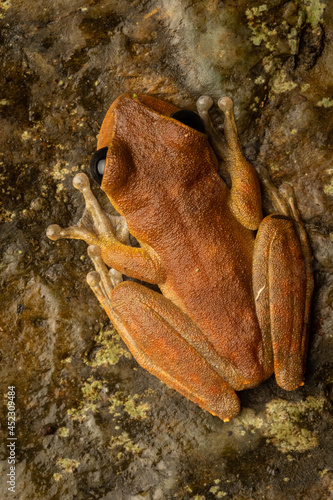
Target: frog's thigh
(279, 281)
(152, 327)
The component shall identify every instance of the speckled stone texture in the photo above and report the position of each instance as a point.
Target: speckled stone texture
(91, 424)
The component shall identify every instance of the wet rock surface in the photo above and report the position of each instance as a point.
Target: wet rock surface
(90, 423)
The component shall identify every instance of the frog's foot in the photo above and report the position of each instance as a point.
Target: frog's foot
(163, 340)
(111, 234)
(95, 227)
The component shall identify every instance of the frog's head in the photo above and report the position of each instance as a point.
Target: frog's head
(144, 144)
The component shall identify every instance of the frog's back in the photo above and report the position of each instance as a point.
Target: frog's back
(207, 256)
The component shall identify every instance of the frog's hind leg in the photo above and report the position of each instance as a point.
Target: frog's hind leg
(286, 204)
(163, 340)
(289, 195)
(283, 285)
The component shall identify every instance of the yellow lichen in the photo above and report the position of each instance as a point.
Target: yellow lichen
(284, 426)
(62, 169)
(281, 84)
(111, 349)
(68, 465)
(328, 188)
(91, 391)
(63, 432)
(124, 441)
(326, 102)
(314, 11)
(6, 4)
(129, 404)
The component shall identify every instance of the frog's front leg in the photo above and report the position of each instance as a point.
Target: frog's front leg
(164, 341)
(98, 229)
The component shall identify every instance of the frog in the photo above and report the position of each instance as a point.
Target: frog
(234, 288)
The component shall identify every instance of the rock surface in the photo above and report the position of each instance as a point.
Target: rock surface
(91, 424)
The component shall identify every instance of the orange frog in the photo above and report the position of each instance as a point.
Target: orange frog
(235, 304)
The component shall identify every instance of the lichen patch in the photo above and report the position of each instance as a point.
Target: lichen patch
(284, 426)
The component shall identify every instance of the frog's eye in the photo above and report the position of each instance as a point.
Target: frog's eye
(97, 164)
(189, 118)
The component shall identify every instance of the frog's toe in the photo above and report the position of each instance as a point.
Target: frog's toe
(93, 279)
(102, 281)
(99, 219)
(286, 190)
(115, 276)
(55, 232)
(122, 231)
(109, 277)
(94, 252)
(204, 103)
(96, 285)
(288, 194)
(225, 104)
(81, 181)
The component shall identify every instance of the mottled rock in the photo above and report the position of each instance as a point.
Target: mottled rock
(90, 422)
